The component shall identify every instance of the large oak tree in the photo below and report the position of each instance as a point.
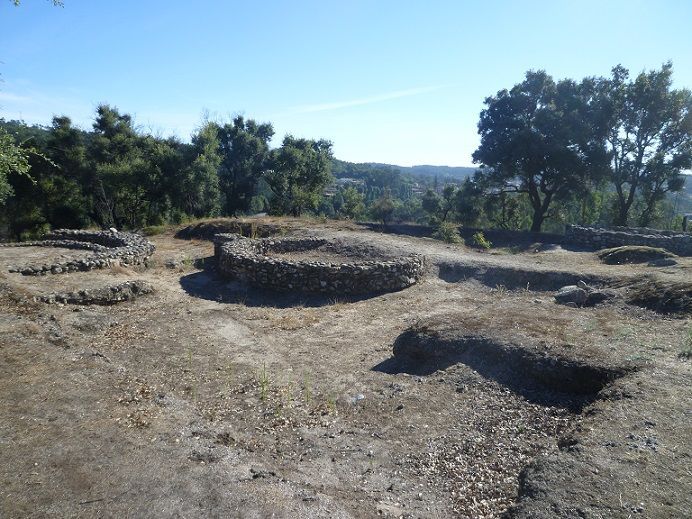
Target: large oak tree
(649, 137)
(539, 138)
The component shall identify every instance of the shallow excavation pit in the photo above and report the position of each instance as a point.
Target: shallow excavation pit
(515, 403)
(316, 265)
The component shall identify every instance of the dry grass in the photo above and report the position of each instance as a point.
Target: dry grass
(662, 296)
(632, 254)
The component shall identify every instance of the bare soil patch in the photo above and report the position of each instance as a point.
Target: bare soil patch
(211, 398)
(19, 256)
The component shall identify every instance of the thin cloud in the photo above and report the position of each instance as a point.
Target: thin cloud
(397, 94)
(7, 96)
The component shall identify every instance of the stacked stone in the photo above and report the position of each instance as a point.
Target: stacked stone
(109, 247)
(590, 237)
(109, 295)
(247, 259)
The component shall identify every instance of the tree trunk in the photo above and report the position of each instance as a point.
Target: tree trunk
(537, 222)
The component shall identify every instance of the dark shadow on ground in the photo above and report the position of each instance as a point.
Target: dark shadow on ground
(208, 284)
(514, 277)
(529, 389)
(538, 376)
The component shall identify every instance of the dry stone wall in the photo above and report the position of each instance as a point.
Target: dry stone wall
(251, 261)
(594, 238)
(109, 295)
(107, 247)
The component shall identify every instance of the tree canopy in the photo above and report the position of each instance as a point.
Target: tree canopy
(648, 134)
(539, 138)
(300, 170)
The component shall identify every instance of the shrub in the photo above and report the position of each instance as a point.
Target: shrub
(481, 241)
(447, 232)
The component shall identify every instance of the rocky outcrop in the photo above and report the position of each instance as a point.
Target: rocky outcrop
(251, 260)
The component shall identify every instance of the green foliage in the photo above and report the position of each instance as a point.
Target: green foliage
(383, 208)
(13, 159)
(481, 241)
(353, 203)
(648, 133)
(200, 193)
(300, 170)
(539, 138)
(244, 147)
(447, 232)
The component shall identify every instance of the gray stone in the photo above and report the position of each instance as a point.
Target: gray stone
(598, 296)
(571, 294)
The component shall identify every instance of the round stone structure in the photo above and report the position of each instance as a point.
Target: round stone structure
(260, 262)
(107, 248)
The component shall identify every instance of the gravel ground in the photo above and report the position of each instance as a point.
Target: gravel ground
(208, 398)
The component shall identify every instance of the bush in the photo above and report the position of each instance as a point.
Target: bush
(447, 232)
(481, 241)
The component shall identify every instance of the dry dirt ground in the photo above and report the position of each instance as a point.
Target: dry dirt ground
(209, 398)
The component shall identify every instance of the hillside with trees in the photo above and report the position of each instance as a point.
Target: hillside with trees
(600, 151)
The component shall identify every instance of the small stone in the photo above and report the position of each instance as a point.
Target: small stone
(571, 294)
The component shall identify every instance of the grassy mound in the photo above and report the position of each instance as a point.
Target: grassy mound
(662, 296)
(632, 254)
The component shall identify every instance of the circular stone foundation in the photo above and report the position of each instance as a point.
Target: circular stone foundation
(316, 265)
(104, 249)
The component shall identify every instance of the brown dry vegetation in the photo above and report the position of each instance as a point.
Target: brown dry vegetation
(211, 398)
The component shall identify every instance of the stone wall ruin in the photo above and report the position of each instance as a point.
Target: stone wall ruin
(594, 238)
(251, 260)
(107, 247)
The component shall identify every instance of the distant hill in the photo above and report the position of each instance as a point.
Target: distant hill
(456, 172)
(343, 168)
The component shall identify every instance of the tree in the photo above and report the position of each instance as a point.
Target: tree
(62, 181)
(133, 175)
(431, 203)
(354, 203)
(539, 138)
(244, 147)
(440, 207)
(648, 129)
(13, 159)
(383, 208)
(299, 173)
(467, 202)
(200, 193)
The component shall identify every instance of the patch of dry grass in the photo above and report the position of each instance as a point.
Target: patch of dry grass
(632, 254)
(662, 296)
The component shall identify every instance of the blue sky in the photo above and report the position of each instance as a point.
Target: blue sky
(400, 82)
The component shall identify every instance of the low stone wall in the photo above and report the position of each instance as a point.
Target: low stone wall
(108, 247)
(249, 260)
(594, 238)
(108, 295)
